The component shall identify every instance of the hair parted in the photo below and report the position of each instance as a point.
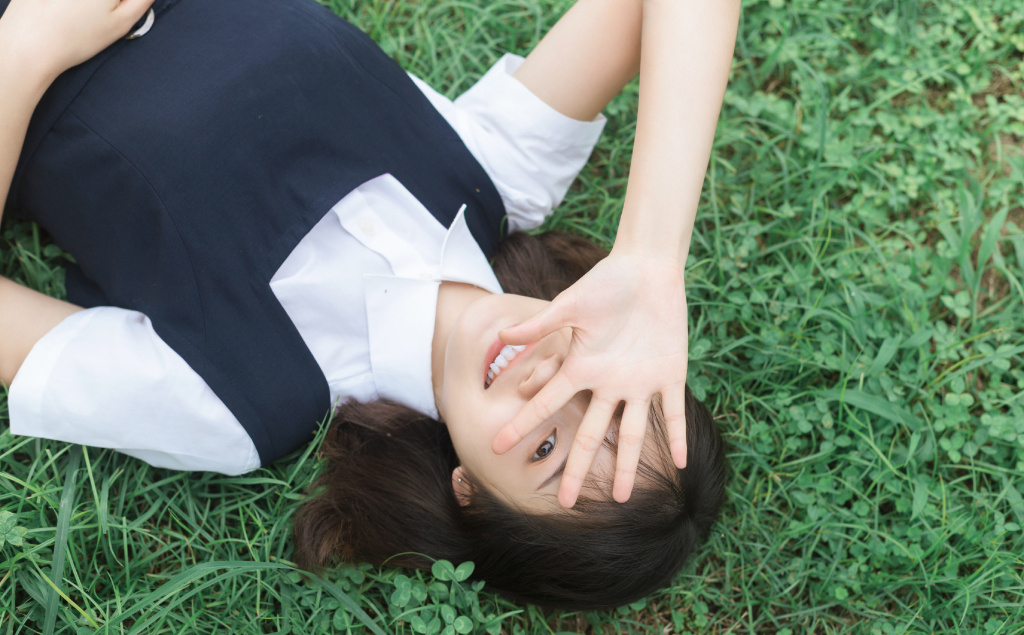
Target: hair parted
(385, 494)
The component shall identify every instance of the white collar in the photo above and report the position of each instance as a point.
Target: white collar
(400, 308)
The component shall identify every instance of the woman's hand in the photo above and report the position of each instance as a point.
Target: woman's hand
(51, 36)
(628, 315)
(629, 323)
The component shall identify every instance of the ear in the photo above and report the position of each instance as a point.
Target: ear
(460, 485)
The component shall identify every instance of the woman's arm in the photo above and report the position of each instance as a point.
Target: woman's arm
(106, 379)
(39, 40)
(629, 314)
(25, 317)
(687, 53)
(21, 88)
(586, 58)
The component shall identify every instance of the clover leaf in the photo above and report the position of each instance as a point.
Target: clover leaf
(10, 532)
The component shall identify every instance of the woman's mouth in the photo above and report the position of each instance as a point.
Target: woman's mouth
(500, 362)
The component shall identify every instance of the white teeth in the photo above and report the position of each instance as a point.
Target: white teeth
(507, 354)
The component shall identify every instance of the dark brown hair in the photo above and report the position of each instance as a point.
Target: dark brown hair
(386, 495)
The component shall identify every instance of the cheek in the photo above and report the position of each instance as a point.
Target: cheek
(464, 354)
(474, 423)
(489, 417)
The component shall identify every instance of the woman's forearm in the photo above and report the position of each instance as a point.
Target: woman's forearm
(21, 88)
(686, 53)
(586, 58)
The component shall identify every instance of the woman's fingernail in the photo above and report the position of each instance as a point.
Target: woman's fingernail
(679, 454)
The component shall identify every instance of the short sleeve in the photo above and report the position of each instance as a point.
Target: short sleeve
(530, 150)
(104, 378)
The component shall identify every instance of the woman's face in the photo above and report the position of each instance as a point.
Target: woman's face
(475, 407)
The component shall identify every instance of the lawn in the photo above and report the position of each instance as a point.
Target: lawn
(857, 327)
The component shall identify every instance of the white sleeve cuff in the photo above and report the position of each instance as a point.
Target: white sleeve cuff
(530, 150)
(103, 377)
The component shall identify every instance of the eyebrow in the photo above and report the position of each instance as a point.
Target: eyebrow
(558, 472)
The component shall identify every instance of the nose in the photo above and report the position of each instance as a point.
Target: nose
(541, 374)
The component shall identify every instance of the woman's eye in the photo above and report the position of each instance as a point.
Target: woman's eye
(545, 449)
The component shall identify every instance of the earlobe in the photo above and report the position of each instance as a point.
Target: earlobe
(460, 485)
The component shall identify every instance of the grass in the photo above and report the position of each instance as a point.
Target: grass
(857, 325)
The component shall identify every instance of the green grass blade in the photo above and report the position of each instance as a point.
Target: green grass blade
(60, 540)
(224, 571)
(873, 404)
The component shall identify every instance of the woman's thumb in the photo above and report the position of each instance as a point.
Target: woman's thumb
(131, 11)
(548, 320)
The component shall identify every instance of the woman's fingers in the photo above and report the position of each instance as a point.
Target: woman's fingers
(629, 341)
(673, 404)
(555, 394)
(629, 445)
(556, 315)
(129, 12)
(588, 440)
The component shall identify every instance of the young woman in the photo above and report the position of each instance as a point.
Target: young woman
(269, 217)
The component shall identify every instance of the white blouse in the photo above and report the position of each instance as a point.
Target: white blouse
(361, 288)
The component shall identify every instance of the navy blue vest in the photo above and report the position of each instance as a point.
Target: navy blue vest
(180, 170)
